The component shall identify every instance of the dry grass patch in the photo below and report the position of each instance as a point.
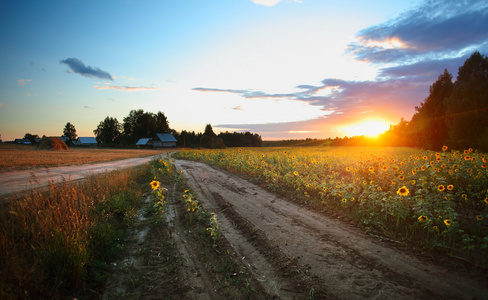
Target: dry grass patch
(18, 157)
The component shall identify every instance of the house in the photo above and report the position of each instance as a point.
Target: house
(23, 141)
(164, 140)
(86, 141)
(144, 142)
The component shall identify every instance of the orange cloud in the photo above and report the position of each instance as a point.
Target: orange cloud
(124, 88)
(23, 81)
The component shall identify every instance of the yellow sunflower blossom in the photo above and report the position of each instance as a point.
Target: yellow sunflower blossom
(441, 188)
(479, 217)
(154, 184)
(403, 191)
(447, 222)
(423, 219)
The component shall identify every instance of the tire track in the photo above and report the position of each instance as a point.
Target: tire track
(343, 262)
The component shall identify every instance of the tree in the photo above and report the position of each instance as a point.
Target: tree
(107, 131)
(162, 125)
(428, 125)
(210, 140)
(468, 105)
(139, 124)
(31, 137)
(70, 131)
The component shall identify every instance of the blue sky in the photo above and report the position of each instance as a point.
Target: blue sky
(284, 69)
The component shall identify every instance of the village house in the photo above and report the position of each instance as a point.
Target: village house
(86, 141)
(164, 140)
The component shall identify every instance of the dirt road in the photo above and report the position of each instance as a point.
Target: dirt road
(20, 181)
(290, 249)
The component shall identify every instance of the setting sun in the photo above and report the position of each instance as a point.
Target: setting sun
(368, 127)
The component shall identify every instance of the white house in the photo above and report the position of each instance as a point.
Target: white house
(86, 141)
(164, 140)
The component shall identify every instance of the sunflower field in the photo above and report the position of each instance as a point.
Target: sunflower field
(439, 199)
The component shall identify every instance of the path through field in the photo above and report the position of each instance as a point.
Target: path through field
(19, 181)
(330, 257)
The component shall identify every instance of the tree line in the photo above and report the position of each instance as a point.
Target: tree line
(139, 124)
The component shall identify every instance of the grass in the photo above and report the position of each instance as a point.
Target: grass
(18, 157)
(60, 242)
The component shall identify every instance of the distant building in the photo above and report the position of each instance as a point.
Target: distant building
(23, 141)
(86, 141)
(164, 140)
(145, 142)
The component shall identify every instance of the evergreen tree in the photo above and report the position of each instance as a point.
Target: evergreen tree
(468, 105)
(428, 125)
(162, 124)
(70, 131)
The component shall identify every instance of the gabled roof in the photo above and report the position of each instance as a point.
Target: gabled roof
(87, 140)
(166, 137)
(144, 141)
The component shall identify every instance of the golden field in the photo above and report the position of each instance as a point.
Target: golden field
(19, 157)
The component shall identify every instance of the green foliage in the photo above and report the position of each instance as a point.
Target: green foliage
(107, 131)
(61, 242)
(70, 131)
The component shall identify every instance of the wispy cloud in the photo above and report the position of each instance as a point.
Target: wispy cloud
(23, 81)
(88, 107)
(266, 2)
(77, 66)
(409, 52)
(124, 88)
(238, 108)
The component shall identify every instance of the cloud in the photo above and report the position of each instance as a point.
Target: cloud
(23, 81)
(77, 66)
(238, 108)
(88, 107)
(437, 28)
(266, 2)
(124, 88)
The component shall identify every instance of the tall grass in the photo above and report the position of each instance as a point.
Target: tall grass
(59, 242)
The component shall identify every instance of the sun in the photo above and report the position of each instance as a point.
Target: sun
(371, 127)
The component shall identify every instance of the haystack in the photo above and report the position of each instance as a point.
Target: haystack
(52, 143)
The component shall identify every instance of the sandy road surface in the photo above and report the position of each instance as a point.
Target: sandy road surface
(340, 260)
(20, 181)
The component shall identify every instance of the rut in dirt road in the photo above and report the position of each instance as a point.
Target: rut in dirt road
(342, 261)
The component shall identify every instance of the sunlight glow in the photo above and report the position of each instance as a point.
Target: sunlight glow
(393, 43)
(371, 127)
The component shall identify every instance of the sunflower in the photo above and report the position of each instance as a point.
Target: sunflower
(441, 188)
(154, 184)
(423, 219)
(479, 217)
(371, 169)
(413, 182)
(295, 173)
(385, 168)
(447, 222)
(403, 191)
(348, 169)
(450, 187)
(486, 200)
(444, 148)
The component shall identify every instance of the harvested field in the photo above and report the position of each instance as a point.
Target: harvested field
(21, 157)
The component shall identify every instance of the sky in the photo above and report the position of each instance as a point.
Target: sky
(285, 69)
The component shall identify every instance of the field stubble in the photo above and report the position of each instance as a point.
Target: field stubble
(21, 157)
